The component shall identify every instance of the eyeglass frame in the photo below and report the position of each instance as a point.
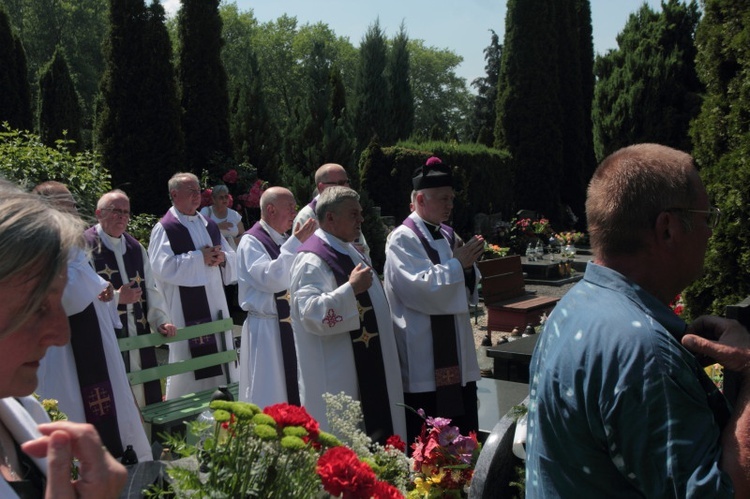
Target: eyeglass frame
(117, 211)
(714, 214)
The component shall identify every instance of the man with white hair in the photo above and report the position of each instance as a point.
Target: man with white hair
(268, 358)
(121, 260)
(191, 262)
(430, 280)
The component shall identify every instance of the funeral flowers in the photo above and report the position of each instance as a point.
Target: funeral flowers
(444, 460)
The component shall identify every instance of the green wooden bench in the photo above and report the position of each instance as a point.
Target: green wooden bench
(168, 414)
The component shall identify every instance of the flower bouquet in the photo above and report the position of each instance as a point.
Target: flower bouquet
(444, 460)
(567, 238)
(493, 251)
(278, 452)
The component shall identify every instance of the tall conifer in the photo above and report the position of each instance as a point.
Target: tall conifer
(401, 98)
(371, 116)
(59, 104)
(15, 93)
(203, 87)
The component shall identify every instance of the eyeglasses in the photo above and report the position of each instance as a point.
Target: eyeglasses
(340, 182)
(118, 212)
(712, 214)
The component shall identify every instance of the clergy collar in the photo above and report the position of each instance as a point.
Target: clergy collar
(112, 243)
(433, 229)
(277, 236)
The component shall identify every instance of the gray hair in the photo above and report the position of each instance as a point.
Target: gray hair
(331, 198)
(219, 189)
(178, 179)
(35, 241)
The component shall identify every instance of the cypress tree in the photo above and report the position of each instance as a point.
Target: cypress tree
(59, 104)
(203, 87)
(648, 89)
(338, 142)
(15, 93)
(484, 113)
(255, 138)
(139, 132)
(371, 116)
(401, 98)
(529, 112)
(721, 148)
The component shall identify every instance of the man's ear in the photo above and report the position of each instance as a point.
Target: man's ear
(667, 227)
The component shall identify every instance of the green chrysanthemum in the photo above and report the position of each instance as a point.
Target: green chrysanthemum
(245, 410)
(328, 440)
(222, 404)
(221, 416)
(292, 443)
(265, 432)
(263, 419)
(295, 431)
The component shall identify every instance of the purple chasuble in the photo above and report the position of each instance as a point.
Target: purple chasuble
(93, 378)
(288, 350)
(449, 400)
(195, 307)
(368, 354)
(105, 264)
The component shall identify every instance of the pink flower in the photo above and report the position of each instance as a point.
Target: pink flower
(206, 199)
(230, 177)
(253, 198)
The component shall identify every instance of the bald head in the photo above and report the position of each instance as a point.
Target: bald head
(330, 174)
(58, 195)
(278, 208)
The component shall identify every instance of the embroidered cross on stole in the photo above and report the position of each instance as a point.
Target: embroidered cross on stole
(288, 350)
(368, 353)
(449, 400)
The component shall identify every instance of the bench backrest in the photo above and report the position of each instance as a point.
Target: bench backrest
(502, 278)
(184, 366)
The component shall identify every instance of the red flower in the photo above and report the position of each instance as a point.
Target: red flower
(292, 415)
(396, 442)
(344, 475)
(230, 177)
(253, 198)
(384, 490)
(206, 199)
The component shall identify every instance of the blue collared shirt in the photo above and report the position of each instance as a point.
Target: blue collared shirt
(616, 407)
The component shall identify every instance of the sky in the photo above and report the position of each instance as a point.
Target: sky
(461, 26)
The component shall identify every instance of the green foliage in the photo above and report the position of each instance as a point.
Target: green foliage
(483, 177)
(139, 131)
(441, 99)
(79, 27)
(24, 159)
(648, 89)
(371, 91)
(482, 125)
(59, 104)
(15, 100)
(140, 227)
(542, 102)
(401, 100)
(722, 148)
(203, 86)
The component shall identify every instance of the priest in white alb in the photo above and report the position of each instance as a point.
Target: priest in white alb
(268, 359)
(191, 263)
(341, 321)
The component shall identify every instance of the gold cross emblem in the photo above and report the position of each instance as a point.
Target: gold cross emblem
(365, 337)
(108, 272)
(362, 310)
(138, 279)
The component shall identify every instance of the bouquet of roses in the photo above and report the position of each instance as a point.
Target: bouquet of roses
(444, 460)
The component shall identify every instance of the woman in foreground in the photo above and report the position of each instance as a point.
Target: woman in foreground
(36, 455)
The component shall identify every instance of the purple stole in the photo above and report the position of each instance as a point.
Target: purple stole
(105, 265)
(195, 307)
(312, 204)
(368, 354)
(449, 400)
(97, 395)
(288, 350)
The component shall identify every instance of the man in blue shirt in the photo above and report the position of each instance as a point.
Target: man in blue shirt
(618, 406)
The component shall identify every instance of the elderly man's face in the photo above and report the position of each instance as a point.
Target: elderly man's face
(115, 215)
(346, 222)
(187, 197)
(435, 204)
(283, 213)
(336, 176)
